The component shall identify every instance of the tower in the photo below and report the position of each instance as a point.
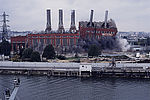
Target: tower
(60, 26)
(106, 17)
(91, 24)
(4, 27)
(91, 18)
(72, 26)
(48, 25)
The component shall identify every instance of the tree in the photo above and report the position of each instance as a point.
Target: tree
(61, 57)
(5, 48)
(35, 56)
(94, 51)
(21, 49)
(148, 41)
(27, 53)
(49, 52)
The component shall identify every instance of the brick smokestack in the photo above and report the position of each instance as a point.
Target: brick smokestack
(90, 23)
(60, 26)
(72, 27)
(91, 18)
(106, 17)
(48, 25)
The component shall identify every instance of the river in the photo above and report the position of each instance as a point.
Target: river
(73, 88)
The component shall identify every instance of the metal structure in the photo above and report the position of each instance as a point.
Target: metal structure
(11, 96)
(48, 26)
(4, 27)
(61, 27)
(73, 26)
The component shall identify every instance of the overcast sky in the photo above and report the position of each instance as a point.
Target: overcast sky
(129, 15)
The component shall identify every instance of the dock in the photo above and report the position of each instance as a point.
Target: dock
(127, 70)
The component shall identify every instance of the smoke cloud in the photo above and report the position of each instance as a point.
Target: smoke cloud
(124, 44)
(105, 43)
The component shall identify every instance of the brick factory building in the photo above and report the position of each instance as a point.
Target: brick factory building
(65, 38)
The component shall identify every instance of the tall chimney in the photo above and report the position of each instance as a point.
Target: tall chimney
(106, 17)
(91, 18)
(60, 27)
(48, 26)
(72, 27)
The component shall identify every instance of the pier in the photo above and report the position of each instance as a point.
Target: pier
(127, 70)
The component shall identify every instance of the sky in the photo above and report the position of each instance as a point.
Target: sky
(30, 15)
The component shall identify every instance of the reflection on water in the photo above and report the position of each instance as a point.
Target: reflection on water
(71, 88)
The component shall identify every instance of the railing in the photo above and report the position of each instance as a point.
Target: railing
(11, 96)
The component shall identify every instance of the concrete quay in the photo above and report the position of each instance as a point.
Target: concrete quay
(76, 69)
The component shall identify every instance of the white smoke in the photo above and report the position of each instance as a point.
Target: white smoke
(124, 44)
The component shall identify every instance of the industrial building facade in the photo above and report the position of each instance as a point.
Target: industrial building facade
(87, 29)
(34, 40)
(54, 39)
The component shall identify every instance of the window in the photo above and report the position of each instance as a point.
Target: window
(57, 41)
(53, 42)
(64, 36)
(41, 36)
(65, 42)
(76, 41)
(71, 41)
(42, 41)
(48, 41)
(35, 37)
(48, 36)
(57, 36)
(35, 43)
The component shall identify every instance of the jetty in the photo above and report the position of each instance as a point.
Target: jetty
(126, 70)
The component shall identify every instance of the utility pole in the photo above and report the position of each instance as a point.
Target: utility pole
(4, 27)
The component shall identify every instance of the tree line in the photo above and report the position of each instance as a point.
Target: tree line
(49, 53)
(28, 54)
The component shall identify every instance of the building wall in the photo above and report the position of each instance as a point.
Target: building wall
(97, 32)
(91, 32)
(35, 40)
(55, 39)
(18, 42)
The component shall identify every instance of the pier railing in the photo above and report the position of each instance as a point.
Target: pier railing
(74, 69)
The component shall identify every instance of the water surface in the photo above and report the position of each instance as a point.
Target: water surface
(72, 88)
